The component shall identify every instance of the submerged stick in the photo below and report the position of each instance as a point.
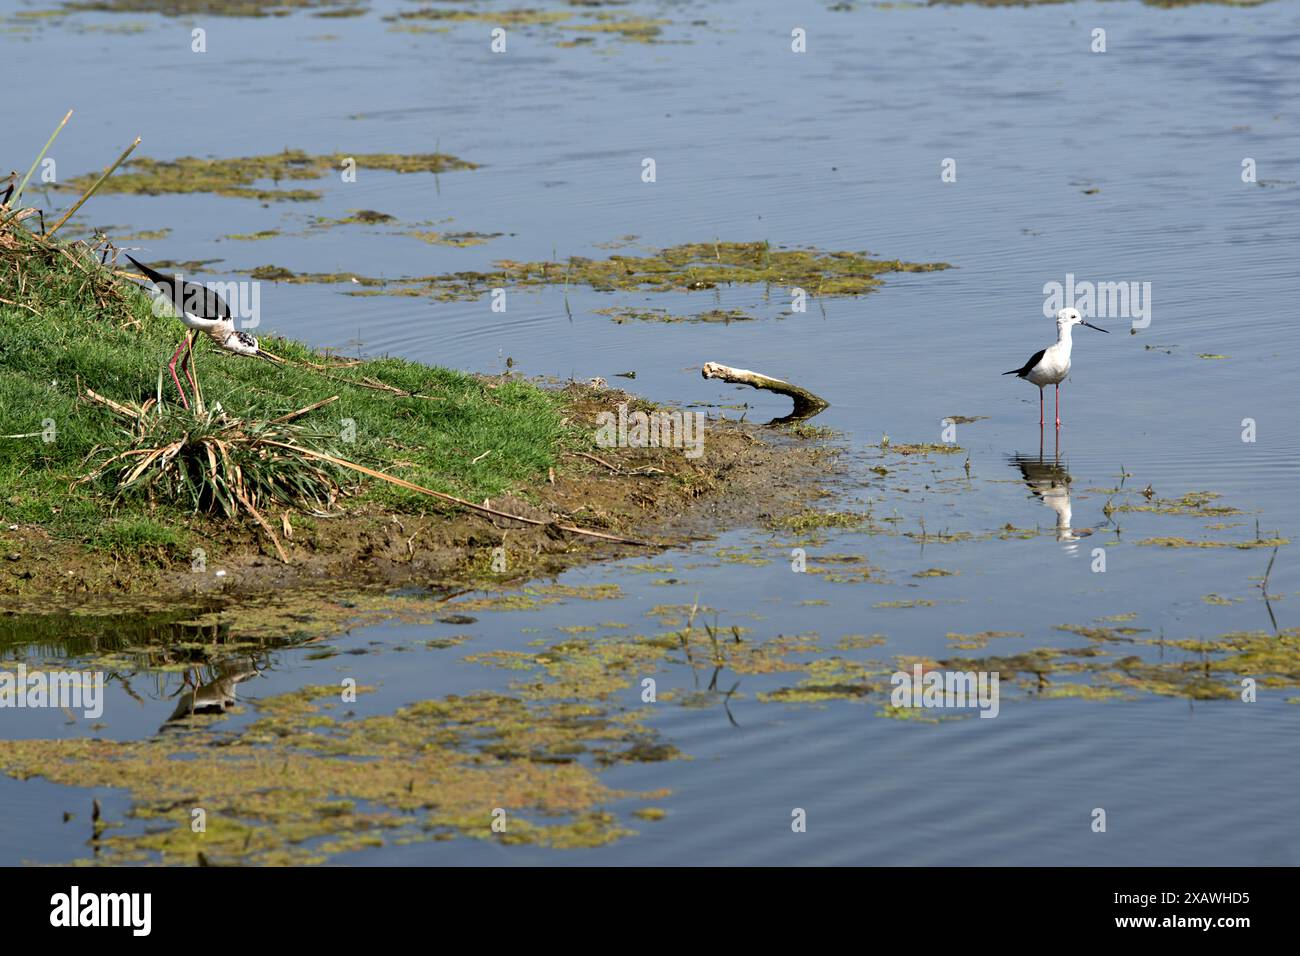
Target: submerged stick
(806, 404)
(95, 185)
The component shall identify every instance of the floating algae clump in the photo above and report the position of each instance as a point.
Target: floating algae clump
(236, 175)
(812, 520)
(1208, 669)
(458, 240)
(1177, 542)
(514, 18)
(1192, 503)
(706, 265)
(622, 314)
(685, 268)
(631, 29)
(926, 448)
(221, 8)
(299, 784)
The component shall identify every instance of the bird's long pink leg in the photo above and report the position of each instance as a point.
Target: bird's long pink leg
(187, 363)
(171, 367)
(1040, 408)
(1058, 405)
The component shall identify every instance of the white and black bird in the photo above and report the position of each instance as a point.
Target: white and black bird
(200, 309)
(1052, 364)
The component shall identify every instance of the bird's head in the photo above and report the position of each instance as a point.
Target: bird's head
(241, 343)
(1068, 318)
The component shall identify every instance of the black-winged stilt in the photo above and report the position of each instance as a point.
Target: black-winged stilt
(1052, 364)
(200, 309)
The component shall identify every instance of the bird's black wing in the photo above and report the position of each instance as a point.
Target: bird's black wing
(212, 305)
(192, 297)
(1033, 360)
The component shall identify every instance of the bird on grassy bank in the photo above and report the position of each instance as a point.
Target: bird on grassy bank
(200, 309)
(1052, 364)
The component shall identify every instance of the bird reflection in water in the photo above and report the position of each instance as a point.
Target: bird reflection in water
(1049, 481)
(216, 695)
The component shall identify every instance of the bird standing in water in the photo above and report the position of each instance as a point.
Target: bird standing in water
(1052, 364)
(201, 310)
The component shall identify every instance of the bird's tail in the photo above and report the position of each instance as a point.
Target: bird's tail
(1014, 371)
(153, 274)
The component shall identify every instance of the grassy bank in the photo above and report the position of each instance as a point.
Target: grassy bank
(70, 325)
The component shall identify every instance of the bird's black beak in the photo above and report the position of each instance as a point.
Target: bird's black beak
(1097, 327)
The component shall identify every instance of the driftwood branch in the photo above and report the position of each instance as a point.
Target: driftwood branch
(806, 404)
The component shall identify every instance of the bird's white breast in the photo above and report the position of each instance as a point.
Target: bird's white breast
(1052, 367)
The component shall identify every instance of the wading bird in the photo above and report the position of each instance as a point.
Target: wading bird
(201, 310)
(1052, 364)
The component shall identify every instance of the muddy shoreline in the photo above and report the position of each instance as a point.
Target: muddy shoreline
(747, 474)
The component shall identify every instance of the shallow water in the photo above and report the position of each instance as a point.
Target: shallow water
(839, 148)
